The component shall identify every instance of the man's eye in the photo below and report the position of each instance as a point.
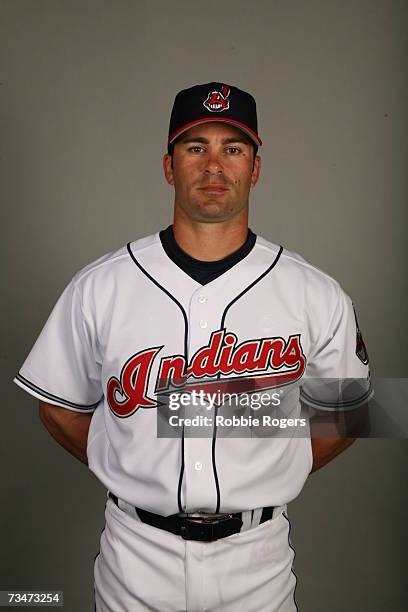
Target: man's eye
(196, 149)
(233, 150)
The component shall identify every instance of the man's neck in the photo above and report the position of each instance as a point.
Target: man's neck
(210, 241)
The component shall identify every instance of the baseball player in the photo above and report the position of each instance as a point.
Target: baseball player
(197, 522)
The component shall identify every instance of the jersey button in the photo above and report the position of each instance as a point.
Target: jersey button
(198, 466)
(202, 299)
(203, 324)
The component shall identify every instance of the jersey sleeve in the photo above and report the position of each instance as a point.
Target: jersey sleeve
(337, 373)
(61, 368)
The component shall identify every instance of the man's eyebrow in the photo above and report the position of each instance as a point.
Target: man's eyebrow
(202, 140)
(198, 139)
(241, 139)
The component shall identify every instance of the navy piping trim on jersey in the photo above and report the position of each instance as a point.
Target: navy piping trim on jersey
(236, 298)
(155, 282)
(217, 483)
(294, 555)
(96, 556)
(180, 482)
(50, 396)
(348, 403)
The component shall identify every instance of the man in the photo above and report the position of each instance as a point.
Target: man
(197, 522)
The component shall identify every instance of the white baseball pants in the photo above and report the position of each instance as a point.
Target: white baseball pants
(142, 568)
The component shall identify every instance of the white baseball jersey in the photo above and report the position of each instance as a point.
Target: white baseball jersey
(133, 319)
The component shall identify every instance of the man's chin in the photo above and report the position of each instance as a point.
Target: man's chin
(210, 211)
(213, 213)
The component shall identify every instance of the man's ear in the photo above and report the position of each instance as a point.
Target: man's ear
(256, 171)
(168, 168)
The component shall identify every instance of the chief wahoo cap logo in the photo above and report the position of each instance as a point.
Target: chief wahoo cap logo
(217, 101)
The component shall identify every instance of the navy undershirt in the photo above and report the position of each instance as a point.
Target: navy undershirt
(203, 271)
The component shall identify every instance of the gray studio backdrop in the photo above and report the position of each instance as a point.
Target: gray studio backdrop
(86, 91)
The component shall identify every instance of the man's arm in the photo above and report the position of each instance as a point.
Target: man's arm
(332, 433)
(68, 428)
(326, 449)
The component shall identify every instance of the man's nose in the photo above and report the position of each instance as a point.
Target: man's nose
(213, 164)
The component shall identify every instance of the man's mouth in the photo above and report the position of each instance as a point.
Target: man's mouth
(214, 189)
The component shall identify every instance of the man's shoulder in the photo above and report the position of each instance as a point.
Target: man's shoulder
(116, 262)
(296, 268)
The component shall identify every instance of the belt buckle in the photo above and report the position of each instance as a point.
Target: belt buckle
(207, 529)
(205, 517)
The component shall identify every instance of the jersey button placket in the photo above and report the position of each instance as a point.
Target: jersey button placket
(199, 486)
(203, 322)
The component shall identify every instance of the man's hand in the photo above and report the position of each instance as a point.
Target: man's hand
(333, 432)
(68, 428)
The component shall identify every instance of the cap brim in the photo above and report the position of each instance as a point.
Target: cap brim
(244, 128)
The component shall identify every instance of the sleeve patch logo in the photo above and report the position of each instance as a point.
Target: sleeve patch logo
(361, 350)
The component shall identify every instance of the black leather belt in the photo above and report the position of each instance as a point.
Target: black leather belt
(201, 529)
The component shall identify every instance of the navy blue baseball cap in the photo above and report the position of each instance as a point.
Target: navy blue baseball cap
(214, 102)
